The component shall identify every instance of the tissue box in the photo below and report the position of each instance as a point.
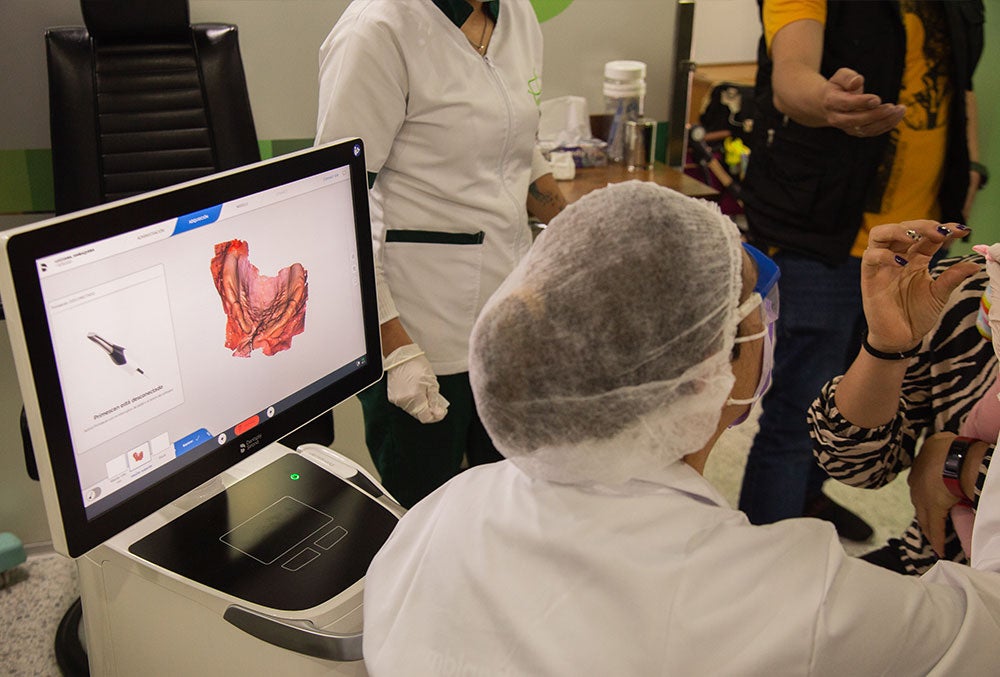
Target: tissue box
(586, 153)
(564, 125)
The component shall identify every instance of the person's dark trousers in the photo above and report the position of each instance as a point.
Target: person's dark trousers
(820, 316)
(412, 458)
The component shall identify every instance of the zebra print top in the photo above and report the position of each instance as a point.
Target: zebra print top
(955, 367)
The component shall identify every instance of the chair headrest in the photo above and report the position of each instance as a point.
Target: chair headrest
(135, 18)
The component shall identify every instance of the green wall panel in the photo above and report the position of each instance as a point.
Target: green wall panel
(546, 9)
(38, 163)
(15, 184)
(282, 146)
(985, 218)
(26, 175)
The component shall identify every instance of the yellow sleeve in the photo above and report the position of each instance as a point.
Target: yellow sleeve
(779, 13)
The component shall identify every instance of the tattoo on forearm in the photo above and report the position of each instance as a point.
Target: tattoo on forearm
(536, 194)
(545, 198)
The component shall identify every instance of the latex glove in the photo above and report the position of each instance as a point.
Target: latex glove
(902, 301)
(928, 493)
(412, 385)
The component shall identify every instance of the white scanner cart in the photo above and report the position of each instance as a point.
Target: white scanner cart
(163, 344)
(255, 574)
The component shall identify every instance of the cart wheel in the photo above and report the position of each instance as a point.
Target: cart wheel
(70, 654)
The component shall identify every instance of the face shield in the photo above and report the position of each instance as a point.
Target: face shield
(764, 299)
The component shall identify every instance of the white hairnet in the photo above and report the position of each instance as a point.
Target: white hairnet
(607, 351)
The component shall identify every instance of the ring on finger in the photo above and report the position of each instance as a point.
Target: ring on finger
(912, 234)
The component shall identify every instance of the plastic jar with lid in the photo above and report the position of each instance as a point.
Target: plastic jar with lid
(624, 99)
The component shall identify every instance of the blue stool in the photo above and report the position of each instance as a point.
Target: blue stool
(11, 554)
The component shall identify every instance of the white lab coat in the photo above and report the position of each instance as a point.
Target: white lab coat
(500, 574)
(451, 135)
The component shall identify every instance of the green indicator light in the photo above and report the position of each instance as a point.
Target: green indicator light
(294, 476)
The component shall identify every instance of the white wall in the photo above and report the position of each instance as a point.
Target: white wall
(24, 113)
(280, 38)
(589, 33)
(282, 67)
(725, 31)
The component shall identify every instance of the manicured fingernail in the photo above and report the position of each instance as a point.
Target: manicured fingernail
(901, 261)
(943, 230)
(962, 227)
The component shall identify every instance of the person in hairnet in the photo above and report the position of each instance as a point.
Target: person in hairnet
(605, 374)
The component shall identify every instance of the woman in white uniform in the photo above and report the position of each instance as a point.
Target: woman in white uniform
(444, 94)
(605, 375)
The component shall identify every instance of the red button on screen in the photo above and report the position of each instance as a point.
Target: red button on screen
(247, 424)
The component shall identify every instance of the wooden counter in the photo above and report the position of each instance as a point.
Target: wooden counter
(591, 178)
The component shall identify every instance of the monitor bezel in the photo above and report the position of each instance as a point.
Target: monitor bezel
(73, 532)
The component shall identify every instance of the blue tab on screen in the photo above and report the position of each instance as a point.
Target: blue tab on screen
(197, 219)
(186, 444)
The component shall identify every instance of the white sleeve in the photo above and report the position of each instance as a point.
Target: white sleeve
(362, 86)
(986, 529)
(362, 92)
(875, 621)
(539, 165)
(386, 306)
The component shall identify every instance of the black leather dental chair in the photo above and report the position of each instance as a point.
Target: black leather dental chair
(141, 98)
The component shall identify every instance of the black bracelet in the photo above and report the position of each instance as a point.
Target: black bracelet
(951, 473)
(905, 355)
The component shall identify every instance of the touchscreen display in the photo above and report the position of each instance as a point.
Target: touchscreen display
(196, 323)
(174, 337)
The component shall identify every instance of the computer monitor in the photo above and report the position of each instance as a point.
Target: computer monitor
(161, 339)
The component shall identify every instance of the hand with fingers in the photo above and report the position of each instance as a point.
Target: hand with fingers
(931, 498)
(412, 385)
(850, 109)
(901, 300)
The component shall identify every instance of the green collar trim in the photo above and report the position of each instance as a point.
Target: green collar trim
(458, 11)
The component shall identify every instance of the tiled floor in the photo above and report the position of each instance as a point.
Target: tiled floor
(30, 610)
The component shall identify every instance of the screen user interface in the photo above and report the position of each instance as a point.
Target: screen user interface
(173, 338)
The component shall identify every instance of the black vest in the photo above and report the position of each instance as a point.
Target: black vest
(806, 187)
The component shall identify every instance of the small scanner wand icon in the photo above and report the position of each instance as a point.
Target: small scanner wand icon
(116, 353)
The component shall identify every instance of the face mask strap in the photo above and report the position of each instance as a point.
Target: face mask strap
(752, 337)
(744, 309)
(748, 305)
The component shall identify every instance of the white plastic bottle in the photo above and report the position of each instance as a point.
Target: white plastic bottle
(624, 99)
